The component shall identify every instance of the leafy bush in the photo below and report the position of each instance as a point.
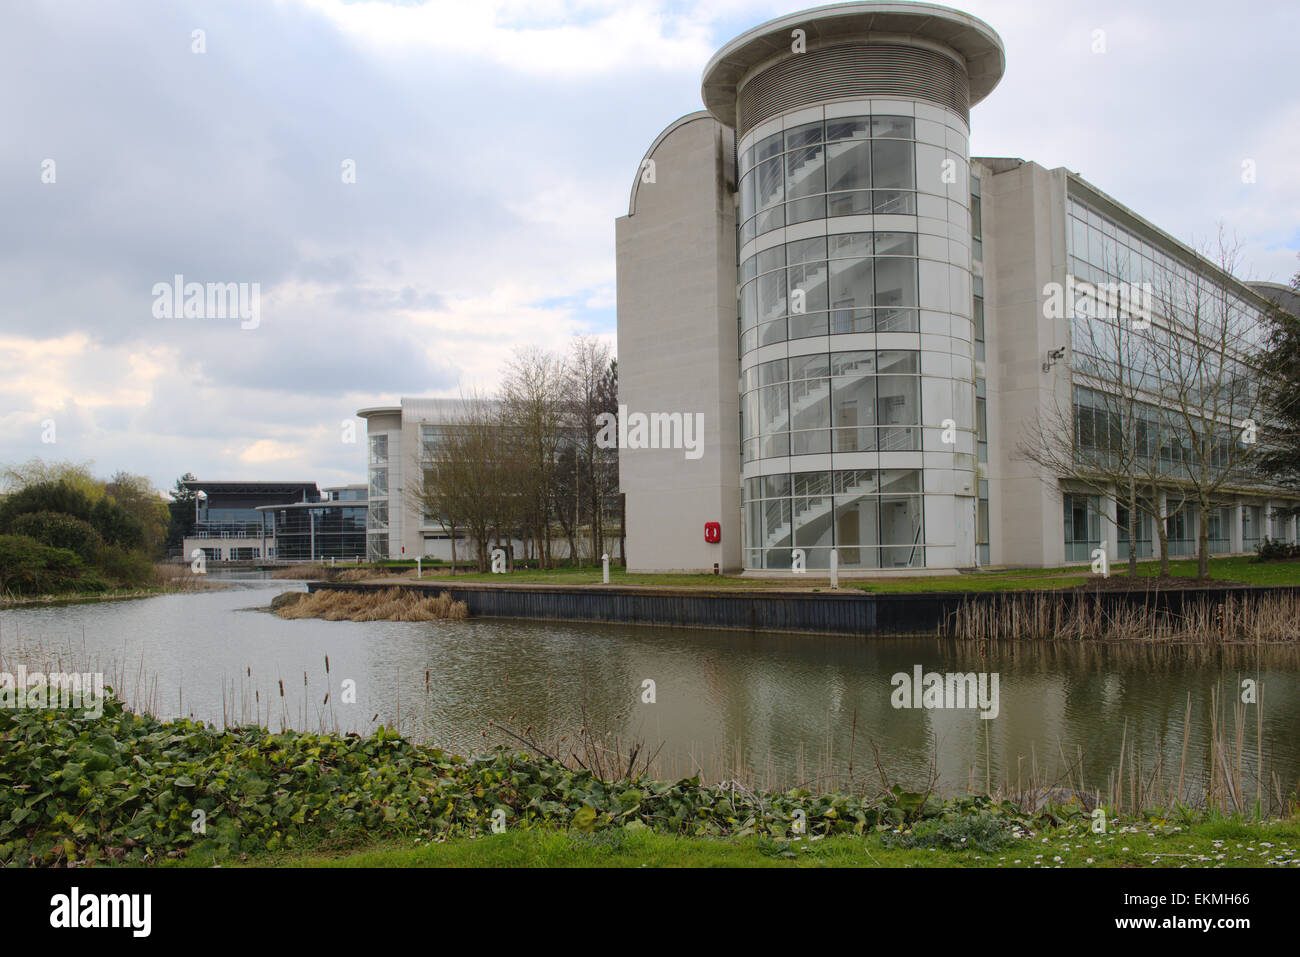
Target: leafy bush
(127, 569)
(115, 524)
(29, 568)
(1271, 550)
(60, 530)
(126, 787)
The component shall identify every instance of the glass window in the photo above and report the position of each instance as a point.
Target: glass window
(891, 165)
(809, 367)
(770, 259)
(770, 186)
(771, 296)
(747, 206)
(900, 531)
(898, 401)
(805, 135)
(895, 244)
(857, 524)
(770, 373)
(805, 210)
(851, 283)
(810, 483)
(810, 402)
(806, 250)
(853, 363)
(811, 279)
(893, 127)
(379, 450)
(849, 165)
(895, 282)
(768, 147)
(858, 203)
(774, 409)
(848, 128)
(805, 172)
(851, 245)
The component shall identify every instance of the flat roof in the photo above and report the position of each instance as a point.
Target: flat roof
(971, 38)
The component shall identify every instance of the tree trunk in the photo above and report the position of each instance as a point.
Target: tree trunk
(1203, 543)
(1134, 522)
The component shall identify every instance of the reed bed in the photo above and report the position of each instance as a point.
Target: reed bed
(1232, 619)
(390, 604)
(333, 573)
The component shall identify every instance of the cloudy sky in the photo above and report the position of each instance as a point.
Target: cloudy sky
(494, 143)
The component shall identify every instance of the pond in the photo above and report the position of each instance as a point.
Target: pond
(774, 710)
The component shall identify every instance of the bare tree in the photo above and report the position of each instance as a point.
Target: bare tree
(588, 366)
(464, 478)
(532, 400)
(1210, 383)
(1163, 401)
(1104, 436)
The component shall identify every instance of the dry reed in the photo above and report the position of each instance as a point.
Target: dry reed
(1230, 620)
(390, 604)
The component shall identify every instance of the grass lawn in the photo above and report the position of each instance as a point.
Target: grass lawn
(1240, 569)
(1214, 843)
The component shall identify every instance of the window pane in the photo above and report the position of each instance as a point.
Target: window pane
(809, 367)
(768, 147)
(813, 522)
(805, 135)
(770, 259)
(854, 400)
(849, 165)
(771, 296)
(895, 282)
(899, 400)
(851, 283)
(770, 186)
(858, 203)
(773, 409)
(805, 172)
(812, 280)
(851, 245)
(851, 127)
(895, 244)
(805, 210)
(808, 325)
(898, 127)
(810, 402)
(857, 524)
(891, 164)
(806, 250)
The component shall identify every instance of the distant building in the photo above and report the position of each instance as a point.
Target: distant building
(276, 521)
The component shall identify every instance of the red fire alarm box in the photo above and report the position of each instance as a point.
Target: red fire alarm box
(712, 532)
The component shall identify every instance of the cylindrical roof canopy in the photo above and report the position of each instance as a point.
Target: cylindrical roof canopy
(871, 44)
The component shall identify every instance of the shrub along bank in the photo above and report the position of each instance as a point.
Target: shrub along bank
(54, 540)
(130, 788)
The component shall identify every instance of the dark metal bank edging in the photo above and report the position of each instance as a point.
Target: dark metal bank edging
(833, 613)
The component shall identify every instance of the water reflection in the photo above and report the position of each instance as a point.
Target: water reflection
(783, 709)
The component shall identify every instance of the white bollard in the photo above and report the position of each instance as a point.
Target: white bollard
(418, 572)
(604, 565)
(835, 569)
